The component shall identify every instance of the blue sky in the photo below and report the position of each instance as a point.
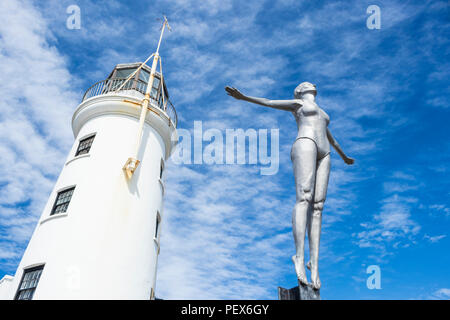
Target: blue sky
(227, 229)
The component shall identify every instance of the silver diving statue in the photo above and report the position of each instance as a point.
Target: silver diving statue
(310, 155)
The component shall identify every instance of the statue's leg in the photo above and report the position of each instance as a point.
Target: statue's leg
(315, 226)
(303, 157)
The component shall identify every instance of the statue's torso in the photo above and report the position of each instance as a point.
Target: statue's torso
(312, 123)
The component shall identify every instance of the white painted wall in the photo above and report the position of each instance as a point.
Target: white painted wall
(103, 247)
(6, 287)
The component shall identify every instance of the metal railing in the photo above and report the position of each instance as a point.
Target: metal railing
(112, 85)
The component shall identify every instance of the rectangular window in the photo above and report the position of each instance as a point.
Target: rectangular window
(62, 201)
(144, 75)
(158, 222)
(85, 145)
(154, 92)
(124, 73)
(161, 169)
(29, 283)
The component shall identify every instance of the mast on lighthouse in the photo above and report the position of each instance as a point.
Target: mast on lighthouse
(132, 162)
(99, 234)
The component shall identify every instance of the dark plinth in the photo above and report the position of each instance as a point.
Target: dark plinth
(301, 292)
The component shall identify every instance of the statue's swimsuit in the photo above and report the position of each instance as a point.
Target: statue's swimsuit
(312, 124)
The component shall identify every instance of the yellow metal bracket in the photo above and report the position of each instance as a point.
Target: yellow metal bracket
(133, 102)
(130, 166)
(140, 104)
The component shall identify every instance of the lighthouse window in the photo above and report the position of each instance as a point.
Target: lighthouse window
(144, 75)
(85, 145)
(29, 283)
(154, 93)
(62, 201)
(158, 222)
(155, 88)
(161, 169)
(156, 83)
(124, 73)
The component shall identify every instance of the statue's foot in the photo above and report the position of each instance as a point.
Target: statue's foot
(300, 270)
(315, 281)
(316, 284)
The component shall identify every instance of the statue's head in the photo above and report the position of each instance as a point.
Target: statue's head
(303, 88)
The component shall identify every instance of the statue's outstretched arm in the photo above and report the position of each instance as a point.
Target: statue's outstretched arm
(338, 149)
(287, 105)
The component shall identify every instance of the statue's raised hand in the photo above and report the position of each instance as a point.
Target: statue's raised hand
(349, 160)
(235, 93)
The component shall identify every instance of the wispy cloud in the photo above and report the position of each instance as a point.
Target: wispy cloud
(434, 239)
(393, 226)
(36, 102)
(238, 245)
(440, 294)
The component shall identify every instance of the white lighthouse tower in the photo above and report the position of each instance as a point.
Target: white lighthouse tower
(98, 236)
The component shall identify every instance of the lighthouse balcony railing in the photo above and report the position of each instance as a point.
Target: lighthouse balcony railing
(110, 86)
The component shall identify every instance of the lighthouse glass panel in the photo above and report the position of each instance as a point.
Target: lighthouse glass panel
(62, 201)
(145, 77)
(119, 79)
(29, 283)
(124, 73)
(85, 145)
